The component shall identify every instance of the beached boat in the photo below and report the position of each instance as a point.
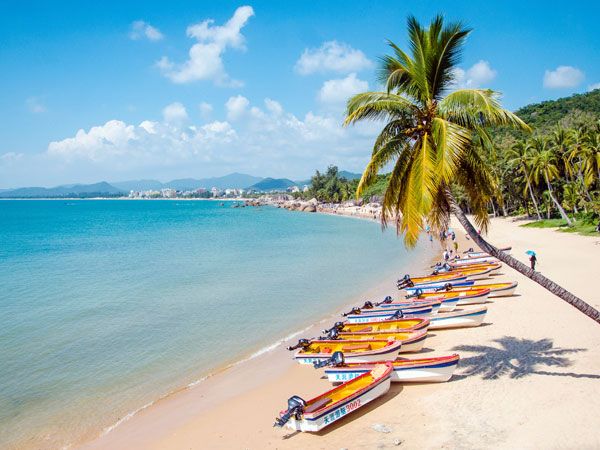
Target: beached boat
(412, 341)
(496, 289)
(467, 261)
(466, 296)
(358, 315)
(405, 370)
(439, 278)
(448, 303)
(399, 325)
(475, 254)
(462, 318)
(315, 414)
(360, 350)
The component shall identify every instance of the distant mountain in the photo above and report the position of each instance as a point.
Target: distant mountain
(349, 175)
(233, 181)
(139, 185)
(272, 184)
(102, 189)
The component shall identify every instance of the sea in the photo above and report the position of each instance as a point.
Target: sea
(108, 305)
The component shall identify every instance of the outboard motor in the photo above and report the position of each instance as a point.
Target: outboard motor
(332, 335)
(302, 343)
(416, 294)
(404, 282)
(385, 301)
(446, 287)
(435, 272)
(448, 267)
(355, 310)
(397, 315)
(367, 305)
(295, 409)
(336, 360)
(338, 326)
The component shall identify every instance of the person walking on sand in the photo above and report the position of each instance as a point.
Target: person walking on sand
(456, 246)
(532, 261)
(446, 255)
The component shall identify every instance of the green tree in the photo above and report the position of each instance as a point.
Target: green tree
(544, 164)
(518, 157)
(429, 139)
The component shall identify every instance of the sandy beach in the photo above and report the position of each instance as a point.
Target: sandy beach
(528, 377)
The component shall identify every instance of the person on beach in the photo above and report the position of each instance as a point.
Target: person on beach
(456, 246)
(532, 261)
(446, 255)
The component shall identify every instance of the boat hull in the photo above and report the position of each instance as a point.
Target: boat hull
(379, 316)
(459, 319)
(315, 423)
(412, 343)
(473, 299)
(434, 370)
(385, 353)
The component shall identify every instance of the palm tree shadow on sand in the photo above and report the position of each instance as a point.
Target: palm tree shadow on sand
(517, 358)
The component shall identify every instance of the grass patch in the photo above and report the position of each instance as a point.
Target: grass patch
(582, 227)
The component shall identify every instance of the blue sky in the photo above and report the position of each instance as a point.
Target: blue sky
(110, 91)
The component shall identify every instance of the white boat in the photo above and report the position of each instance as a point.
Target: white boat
(315, 414)
(377, 316)
(480, 254)
(405, 370)
(462, 318)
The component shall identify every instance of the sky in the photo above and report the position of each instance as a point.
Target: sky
(114, 91)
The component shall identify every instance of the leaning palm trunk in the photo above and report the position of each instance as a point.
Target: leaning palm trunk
(557, 290)
(537, 210)
(562, 212)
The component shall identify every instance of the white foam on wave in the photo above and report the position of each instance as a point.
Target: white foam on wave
(256, 354)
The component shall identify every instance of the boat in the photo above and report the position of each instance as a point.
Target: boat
(439, 278)
(448, 303)
(467, 296)
(411, 324)
(412, 341)
(478, 260)
(504, 289)
(358, 350)
(374, 315)
(405, 370)
(315, 414)
(460, 318)
(474, 254)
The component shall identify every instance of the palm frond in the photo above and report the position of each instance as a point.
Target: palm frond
(451, 141)
(378, 106)
(472, 108)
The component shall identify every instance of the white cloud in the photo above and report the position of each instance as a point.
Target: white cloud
(236, 107)
(594, 86)
(337, 92)
(205, 58)
(175, 113)
(34, 105)
(141, 29)
(264, 139)
(563, 77)
(10, 157)
(332, 56)
(205, 109)
(475, 76)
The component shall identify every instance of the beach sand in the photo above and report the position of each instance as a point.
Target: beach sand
(528, 378)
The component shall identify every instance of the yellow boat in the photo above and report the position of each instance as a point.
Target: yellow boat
(401, 325)
(412, 341)
(319, 412)
(361, 350)
(496, 289)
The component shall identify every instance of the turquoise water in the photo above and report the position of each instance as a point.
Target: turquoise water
(108, 305)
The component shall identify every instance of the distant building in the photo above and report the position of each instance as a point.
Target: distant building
(168, 193)
(305, 188)
(215, 192)
(293, 189)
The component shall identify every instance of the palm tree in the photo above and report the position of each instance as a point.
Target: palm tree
(429, 139)
(518, 157)
(544, 164)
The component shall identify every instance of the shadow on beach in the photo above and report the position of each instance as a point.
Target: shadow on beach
(516, 358)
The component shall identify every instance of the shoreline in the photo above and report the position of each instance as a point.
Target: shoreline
(235, 375)
(489, 409)
(268, 354)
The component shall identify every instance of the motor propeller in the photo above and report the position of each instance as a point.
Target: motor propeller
(446, 287)
(415, 294)
(302, 343)
(385, 301)
(336, 360)
(295, 408)
(339, 326)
